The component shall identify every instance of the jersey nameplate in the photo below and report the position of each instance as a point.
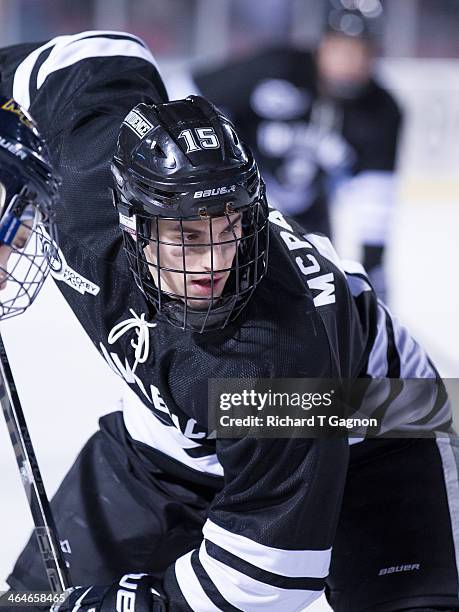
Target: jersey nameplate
(307, 263)
(138, 124)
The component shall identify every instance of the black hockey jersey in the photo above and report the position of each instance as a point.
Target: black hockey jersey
(268, 538)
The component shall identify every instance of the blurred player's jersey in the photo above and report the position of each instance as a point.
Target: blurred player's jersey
(305, 143)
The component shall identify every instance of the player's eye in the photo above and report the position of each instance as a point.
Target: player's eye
(191, 237)
(232, 229)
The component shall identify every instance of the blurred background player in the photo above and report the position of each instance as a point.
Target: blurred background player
(321, 127)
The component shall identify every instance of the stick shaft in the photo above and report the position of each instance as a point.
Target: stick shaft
(45, 528)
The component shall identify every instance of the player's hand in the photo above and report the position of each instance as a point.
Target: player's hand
(133, 593)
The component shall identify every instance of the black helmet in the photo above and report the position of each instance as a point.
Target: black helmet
(187, 189)
(28, 192)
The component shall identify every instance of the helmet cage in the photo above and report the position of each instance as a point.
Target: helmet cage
(244, 272)
(30, 255)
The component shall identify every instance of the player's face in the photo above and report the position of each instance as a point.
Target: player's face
(344, 64)
(19, 242)
(207, 246)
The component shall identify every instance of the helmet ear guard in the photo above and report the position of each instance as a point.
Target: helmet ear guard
(189, 171)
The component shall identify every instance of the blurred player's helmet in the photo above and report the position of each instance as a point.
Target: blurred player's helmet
(28, 192)
(177, 164)
(354, 18)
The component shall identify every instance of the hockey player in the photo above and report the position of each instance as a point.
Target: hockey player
(320, 127)
(220, 524)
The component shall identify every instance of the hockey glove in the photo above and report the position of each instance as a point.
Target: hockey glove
(133, 593)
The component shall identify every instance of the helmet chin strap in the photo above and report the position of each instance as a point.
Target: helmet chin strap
(199, 320)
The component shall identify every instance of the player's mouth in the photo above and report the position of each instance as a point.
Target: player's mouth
(202, 287)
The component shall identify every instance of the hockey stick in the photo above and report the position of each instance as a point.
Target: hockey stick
(45, 528)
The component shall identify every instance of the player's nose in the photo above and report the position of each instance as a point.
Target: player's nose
(215, 258)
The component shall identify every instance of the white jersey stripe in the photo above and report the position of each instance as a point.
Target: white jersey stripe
(21, 82)
(190, 586)
(246, 593)
(449, 452)
(69, 50)
(291, 563)
(377, 360)
(143, 426)
(414, 362)
(357, 285)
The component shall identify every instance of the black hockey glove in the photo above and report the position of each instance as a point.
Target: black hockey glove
(133, 593)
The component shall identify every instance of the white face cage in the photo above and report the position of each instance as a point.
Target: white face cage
(25, 255)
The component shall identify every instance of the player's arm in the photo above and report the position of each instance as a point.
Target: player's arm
(406, 393)
(80, 88)
(268, 537)
(267, 540)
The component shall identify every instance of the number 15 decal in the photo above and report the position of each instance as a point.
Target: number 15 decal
(203, 138)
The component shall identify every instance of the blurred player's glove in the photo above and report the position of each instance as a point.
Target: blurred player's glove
(133, 593)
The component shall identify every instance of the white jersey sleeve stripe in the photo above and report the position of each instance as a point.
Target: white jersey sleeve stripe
(449, 452)
(71, 49)
(356, 277)
(414, 362)
(246, 593)
(143, 426)
(21, 82)
(71, 52)
(290, 563)
(377, 360)
(357, 285)
(190, 586)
